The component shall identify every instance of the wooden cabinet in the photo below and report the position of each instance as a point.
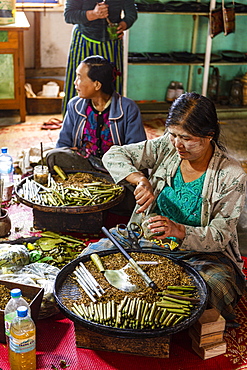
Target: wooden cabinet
(12, 70)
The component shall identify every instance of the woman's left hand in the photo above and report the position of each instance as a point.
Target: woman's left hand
(122, 26)
(168, 228)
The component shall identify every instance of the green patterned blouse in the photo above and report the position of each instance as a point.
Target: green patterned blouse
(182, 201)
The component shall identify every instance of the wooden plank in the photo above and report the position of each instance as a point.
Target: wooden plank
(58, 222)
(209, 351)
(21, 23)
(43, 72)
(37, 52)
(210, 322)
(34, 293)
(151, 347)
(21, 80)
(206, 339)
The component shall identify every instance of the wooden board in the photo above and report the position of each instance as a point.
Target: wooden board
(151, 347)
(202, 340)
(209, 351)
(58, 222)
(32, 292)
(40, 104)
(210, 322)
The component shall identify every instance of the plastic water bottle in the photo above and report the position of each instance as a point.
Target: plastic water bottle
(6, 174)
(10, 312)
(22, 341)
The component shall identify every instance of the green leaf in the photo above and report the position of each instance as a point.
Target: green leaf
(47, 244)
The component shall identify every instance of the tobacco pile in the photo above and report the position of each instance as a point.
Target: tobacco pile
(80, 189)
(79, 179)
(5, 296)
(169, 278)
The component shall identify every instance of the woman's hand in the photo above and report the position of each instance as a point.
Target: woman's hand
(122, 26)
(162, 224)
(143, 194)
(99, 12)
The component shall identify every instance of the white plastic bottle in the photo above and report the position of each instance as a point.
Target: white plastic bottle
(22, 341)
(6, 174)
(10, 312)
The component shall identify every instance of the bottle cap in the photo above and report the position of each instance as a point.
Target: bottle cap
(4, 150)
(15, 293)
(22, 311)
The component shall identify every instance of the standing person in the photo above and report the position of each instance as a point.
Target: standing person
(197, 191)
(90, 36)
(95, 120)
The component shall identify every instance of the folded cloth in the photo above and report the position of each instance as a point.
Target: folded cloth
(46, 126)
(52, 124)
(53, 121)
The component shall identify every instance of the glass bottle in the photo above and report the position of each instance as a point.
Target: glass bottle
(179, 89)
(171, 92)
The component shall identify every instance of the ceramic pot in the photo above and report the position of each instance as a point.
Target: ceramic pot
(5, 223)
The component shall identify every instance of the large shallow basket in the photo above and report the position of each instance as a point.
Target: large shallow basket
(65, 286)
(84, 219)
(71, 209)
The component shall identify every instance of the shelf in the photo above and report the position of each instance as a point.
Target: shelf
(193, 68)
(184, 13)
(175, 13)
(162, 107)
(187, 63)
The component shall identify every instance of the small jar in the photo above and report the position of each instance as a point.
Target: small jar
(40, 174)
(112, 31)
(146, 231)
(5, 223)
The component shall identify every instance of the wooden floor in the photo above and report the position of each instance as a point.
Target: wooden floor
(233, 132)
(233, 136)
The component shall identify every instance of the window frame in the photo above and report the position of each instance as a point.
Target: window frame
(28, 5)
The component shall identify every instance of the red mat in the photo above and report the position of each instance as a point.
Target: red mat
(56, 342)
(56, 337)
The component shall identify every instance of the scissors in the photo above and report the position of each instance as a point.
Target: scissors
(133, 232)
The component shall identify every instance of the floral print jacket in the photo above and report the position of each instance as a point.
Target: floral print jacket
(223, 191)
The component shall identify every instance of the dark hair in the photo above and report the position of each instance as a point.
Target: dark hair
(100, 69)
(197, 114)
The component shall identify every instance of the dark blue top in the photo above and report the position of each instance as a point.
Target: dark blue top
(75, 13)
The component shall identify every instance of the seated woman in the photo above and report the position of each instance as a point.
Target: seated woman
(96, 119)
(197, 191)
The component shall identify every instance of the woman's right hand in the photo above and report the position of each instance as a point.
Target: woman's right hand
(101, 10)
(143, 194)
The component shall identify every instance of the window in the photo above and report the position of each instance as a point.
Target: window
(38, 3)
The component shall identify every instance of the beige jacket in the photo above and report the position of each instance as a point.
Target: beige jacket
(223, 191)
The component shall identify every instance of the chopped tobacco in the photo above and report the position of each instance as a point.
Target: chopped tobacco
(164, 274)
(5, 296)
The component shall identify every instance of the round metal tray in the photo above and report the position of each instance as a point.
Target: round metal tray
(233, 56)
(71, 209)
(65, 287)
